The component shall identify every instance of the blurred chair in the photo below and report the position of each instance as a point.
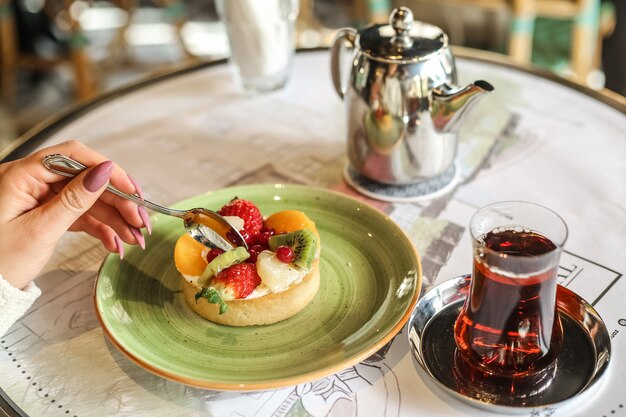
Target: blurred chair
(11, 59)
(175, 13)
(310, 31)
(86, 74)
(586, 36)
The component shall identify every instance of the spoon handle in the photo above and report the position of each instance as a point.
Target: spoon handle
(67, 167)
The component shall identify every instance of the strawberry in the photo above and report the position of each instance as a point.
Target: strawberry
(249, 213)
(236, 281)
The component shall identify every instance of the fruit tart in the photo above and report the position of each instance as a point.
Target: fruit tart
(272, 280)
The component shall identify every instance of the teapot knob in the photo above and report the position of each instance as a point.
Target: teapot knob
(401, 20)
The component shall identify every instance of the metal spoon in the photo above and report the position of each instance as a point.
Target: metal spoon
(205, 226)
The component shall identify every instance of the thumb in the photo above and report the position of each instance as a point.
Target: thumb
(76, 197)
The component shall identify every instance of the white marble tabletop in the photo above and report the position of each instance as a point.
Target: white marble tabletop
(533, 139)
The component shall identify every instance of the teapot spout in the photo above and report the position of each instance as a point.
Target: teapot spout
(450, 106)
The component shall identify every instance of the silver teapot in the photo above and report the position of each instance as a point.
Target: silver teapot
(403, 108)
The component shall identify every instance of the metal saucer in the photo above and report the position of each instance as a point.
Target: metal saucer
(419, 191)
(581, 363)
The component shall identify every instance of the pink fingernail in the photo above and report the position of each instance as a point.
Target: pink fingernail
(120, 246)
(137, 233)
(145, 218)
(138, 189)
(98, 176)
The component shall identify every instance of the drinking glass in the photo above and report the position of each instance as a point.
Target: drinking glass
(508, 333)
(261, 39)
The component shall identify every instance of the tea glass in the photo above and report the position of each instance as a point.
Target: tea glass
(261, 39)
(509, 334)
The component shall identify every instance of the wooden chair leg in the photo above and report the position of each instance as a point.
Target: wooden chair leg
(522, 28)
(84, 80)
(84, 77)
(608, 22)
(585, 33)
(8, 52)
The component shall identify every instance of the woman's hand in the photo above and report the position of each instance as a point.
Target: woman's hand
(37, 207)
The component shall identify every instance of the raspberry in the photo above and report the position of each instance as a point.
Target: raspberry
(254, 251)
(246, 236)
(264, 234)
(237, 281)
(249, 212)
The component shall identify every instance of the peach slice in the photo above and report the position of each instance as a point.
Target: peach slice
(286, 221)
(188, 256)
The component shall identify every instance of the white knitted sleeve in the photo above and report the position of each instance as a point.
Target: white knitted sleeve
(14, 302)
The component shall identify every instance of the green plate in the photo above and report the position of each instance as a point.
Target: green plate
(370, 280)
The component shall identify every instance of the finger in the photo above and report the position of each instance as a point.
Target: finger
(137, 187)
(79, 195)
(141, 210)
(110, 240)
(117, 206)
(114, 219)
(80, 153)
(26, 180)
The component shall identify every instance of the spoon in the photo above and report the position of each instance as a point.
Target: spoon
(205, 226)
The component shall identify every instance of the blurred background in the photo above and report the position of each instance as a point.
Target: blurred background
(56, 53)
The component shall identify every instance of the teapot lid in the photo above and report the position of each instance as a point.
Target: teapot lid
(403, 40)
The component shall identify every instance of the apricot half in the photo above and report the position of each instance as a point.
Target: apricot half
(286, 221)
(188, 256)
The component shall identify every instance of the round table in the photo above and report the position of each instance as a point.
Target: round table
(536, 138)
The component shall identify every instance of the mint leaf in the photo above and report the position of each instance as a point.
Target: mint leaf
(213, 297)
(210, 294)
(201, 294)
(223, 308)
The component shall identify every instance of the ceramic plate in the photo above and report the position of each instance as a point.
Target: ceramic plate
(370, 280)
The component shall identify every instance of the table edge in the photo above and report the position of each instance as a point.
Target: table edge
(8, 407)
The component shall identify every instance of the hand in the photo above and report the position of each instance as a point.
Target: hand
(37, 207)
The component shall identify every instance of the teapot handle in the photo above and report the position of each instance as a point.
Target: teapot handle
(343, 37)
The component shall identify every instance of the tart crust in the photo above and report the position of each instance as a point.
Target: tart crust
(268, 309)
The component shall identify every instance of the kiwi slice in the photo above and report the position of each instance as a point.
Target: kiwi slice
(302, 242)
(223, 261)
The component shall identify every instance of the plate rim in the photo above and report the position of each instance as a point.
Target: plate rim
(291, 380)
